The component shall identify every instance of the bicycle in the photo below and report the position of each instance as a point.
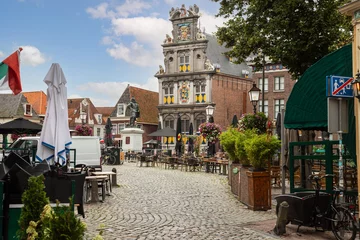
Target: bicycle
(107, 157)
(342, 222)
(313, 209)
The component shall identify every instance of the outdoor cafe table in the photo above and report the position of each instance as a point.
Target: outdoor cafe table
(223, 164)
(106, 173)
(93, 181)
(209, 162)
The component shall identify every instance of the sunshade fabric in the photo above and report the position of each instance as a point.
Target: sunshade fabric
(165, 132)
(306, 107)
(55, 135)
(20, 126)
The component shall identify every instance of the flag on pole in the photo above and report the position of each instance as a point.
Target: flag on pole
(10, 73)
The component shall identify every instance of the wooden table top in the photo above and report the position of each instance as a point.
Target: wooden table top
(96, 177)
(103, 173)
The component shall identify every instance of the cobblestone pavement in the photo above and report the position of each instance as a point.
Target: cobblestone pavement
(154, 203)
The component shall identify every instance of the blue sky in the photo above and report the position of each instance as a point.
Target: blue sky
(101, 45)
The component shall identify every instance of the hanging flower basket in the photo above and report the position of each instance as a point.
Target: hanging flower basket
(210, 131)
(83, 130)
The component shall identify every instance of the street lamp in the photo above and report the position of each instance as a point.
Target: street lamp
(83, 117)
(254, 95)
(209, 112)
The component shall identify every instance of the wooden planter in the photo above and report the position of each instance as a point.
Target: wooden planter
(244, 185)
(234, 178)
(259, 190)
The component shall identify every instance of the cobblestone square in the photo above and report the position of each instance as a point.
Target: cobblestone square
(154, 203)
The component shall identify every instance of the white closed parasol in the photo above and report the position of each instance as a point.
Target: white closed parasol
(55, 135)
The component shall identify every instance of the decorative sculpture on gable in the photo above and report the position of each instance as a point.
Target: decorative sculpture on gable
(208, 65)
(168, 39)
(183, 11)
(200, 35)
(161, 70)
(184, 33)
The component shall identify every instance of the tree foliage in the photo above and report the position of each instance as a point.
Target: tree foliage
(296, 33)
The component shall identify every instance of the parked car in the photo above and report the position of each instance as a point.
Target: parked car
(87, 149)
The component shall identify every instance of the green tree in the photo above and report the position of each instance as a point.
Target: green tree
(296, 33)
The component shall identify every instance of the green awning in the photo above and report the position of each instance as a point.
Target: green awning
(306, 107)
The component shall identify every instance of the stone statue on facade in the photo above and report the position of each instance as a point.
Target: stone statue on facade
(208, 65)
(168, 39)
(134, 111)
(183, 11)
(200, 35)
(161, 70)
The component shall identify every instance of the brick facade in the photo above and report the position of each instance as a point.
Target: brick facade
(272, 71)
(230, 94)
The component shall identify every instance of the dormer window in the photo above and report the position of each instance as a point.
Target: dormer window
(27, 109)
(120, 110)
(99, 118)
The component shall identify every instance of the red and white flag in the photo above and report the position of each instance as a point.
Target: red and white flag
(10, 73)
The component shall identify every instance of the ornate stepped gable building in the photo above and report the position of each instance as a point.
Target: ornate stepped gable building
(197, 74)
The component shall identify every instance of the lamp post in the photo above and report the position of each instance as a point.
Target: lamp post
(83, 117)
(254, 95)
(209, 113)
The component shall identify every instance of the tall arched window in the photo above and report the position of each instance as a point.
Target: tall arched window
(169, 122)
(199, 119)
(185, 123)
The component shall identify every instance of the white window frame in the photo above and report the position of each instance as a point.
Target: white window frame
(278, 104)
(266, 107)
(266, 84)
(114, 129)
(27, 113)
(183, 60)
(99, 116)
(168, 91)
(279, 83)
(121, 126)
(118, 113)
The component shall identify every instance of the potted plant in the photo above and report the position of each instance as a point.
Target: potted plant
(210, 131)
(259, 149)
(245, 163)
(227, 141)
(83, 130)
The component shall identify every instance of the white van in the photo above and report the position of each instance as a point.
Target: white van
(87, 149)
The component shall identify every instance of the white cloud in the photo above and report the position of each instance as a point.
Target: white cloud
(101, 11)
(170, 2)
(112, 91)
(210, 22)
(31, 55)
(1, 54)
(107, 40)
(131, 7)
(145, 29)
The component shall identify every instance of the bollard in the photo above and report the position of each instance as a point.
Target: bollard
(281, 221)
(113, 178)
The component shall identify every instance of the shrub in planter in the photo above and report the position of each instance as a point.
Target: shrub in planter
(260, 148)
(228, 140)
(34, 199)
(240, 145)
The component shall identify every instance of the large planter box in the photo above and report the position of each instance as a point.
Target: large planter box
(234, 178)
(244, 185)
(259, 190)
